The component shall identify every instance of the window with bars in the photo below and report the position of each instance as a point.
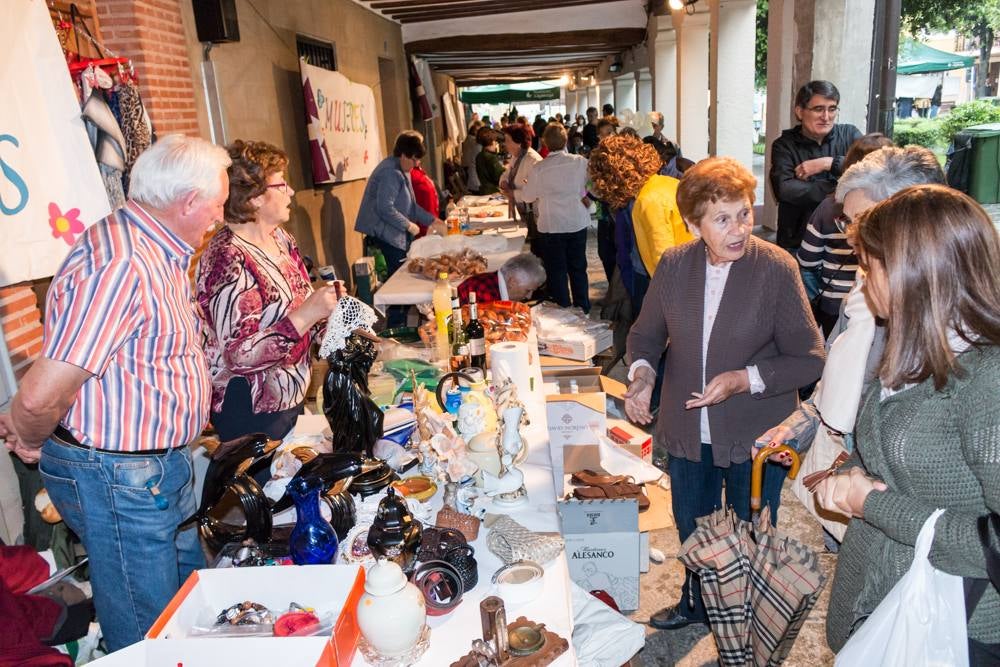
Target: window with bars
(317, 52)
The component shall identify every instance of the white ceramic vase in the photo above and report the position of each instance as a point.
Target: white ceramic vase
(391, 613)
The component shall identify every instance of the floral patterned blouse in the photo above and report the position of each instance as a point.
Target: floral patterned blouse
(244, 296)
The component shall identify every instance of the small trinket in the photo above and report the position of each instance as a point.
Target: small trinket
(245, 613)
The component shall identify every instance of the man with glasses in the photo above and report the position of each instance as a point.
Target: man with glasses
(807, 159)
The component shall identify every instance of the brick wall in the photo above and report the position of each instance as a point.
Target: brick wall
(150, 32)
(21, 321)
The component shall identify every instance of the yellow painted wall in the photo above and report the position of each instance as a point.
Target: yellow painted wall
(261, 95)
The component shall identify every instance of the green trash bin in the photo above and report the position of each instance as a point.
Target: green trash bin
(984, 175)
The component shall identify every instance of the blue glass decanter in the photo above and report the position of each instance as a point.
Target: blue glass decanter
(313, 541)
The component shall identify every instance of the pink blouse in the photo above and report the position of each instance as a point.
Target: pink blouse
(244, 296)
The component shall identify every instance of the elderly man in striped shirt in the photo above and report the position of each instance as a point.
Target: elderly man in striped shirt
(122, 385)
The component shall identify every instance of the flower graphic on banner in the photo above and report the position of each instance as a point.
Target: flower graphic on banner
(66, 225)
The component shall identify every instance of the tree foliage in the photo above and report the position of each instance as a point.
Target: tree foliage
(978, 20)
(760, 53)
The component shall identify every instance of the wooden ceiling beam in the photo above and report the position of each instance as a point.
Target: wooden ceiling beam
(498, 10)
(429, 4)
(476, 8)
(619, 38)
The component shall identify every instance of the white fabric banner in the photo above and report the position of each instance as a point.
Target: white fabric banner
(917, 85)
(50, 188)
(344, 139)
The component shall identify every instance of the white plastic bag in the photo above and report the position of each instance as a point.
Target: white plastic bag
(920, 623)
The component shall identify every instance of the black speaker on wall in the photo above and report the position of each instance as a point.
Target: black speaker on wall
(216, 21)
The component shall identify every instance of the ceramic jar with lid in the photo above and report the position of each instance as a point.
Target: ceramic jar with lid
(395, 533)
(391, 613)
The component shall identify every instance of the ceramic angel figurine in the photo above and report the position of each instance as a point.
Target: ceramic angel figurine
(508, 488)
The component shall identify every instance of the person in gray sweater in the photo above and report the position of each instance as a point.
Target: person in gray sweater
(928, 432)
(742, 340)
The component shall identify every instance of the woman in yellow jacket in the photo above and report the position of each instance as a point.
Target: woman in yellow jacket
(624, 173)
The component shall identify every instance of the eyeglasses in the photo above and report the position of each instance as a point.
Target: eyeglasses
(281, 186)
(842, 221)
(819, 109)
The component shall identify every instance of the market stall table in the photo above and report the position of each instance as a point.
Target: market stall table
(406, 289)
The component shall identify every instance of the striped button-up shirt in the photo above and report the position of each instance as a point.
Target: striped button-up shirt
(121, 308)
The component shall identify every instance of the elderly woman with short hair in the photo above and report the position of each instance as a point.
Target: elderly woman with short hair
(741, 342)
(259, 308)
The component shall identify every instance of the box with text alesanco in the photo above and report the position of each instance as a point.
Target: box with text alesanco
(332, 590)
(604, 547)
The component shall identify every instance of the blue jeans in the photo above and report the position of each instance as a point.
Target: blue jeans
(696, 490)
(138, 558)
(565, 257)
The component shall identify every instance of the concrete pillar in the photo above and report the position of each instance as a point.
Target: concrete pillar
(664, 64)
(842, 48)
(644, 91)
(625, 94)
(607, 94)
(593, 97)
(731, 128)
(782, 35)
(693, 94)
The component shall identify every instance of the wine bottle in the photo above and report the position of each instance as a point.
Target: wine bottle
(459, 341)
(476, 335)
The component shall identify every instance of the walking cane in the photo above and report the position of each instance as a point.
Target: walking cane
(757, 471)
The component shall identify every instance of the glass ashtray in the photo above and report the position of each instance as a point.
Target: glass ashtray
(373, 657)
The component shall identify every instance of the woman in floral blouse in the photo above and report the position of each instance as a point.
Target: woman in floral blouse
(255, 297)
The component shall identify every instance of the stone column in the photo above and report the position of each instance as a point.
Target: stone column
(625, 93)
(593, 97)
(607, 94)
(692, 65)
(733, 74)
(664, 74)
(644, 91)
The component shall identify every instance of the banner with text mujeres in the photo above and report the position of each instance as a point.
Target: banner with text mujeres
(344, 141)
(50, 188)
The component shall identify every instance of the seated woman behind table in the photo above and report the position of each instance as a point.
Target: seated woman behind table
(516, 280)
(928, 431)
(259, 308)
(742, 341)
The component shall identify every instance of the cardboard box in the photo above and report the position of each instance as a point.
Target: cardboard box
(581, 347)
(604, 547)
(327, 588)
(631, 438)
(575, 418)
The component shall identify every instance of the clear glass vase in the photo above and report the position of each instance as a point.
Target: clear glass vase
(313, 540)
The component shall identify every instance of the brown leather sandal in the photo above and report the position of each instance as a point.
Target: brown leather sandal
(613, 492)
(591, 478)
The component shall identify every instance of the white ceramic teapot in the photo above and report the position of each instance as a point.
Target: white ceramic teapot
(391, 613)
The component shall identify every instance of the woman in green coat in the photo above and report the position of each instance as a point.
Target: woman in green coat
(489, 168)
(928, 430)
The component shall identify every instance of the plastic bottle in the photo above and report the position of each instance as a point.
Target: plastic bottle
(442, 309)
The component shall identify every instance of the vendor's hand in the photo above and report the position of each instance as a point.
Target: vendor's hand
(720, 388)
(29, 453)
(846, 492)
(586, 202)
(413, 228)
(806, 170)
(438, 228)
(639, 394)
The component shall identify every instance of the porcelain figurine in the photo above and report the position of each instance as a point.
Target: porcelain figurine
(428, 461)
(392, 611)
(507, 488)
(484, 453)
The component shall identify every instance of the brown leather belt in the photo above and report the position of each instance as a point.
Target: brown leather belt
(64, 437)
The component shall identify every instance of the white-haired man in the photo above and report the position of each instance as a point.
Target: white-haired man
(122, 387)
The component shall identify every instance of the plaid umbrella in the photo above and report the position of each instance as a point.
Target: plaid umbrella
(758, 586)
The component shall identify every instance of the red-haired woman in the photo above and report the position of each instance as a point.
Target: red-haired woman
(742, 342)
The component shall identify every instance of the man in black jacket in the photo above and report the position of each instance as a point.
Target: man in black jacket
(807, 159)
(590, 137)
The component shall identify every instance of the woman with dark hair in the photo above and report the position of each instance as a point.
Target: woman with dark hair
(389, 215)
(928, 431)
(807, 159)
(741, 343)
(259, 308)
(517, 141)
(489, 168)
(826, 260)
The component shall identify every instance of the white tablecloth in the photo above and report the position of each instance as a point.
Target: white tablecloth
(406, 289)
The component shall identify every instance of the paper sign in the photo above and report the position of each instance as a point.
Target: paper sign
(50, 188)
(344, 140)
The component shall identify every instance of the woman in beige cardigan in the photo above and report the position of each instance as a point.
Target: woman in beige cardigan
(742, 340)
